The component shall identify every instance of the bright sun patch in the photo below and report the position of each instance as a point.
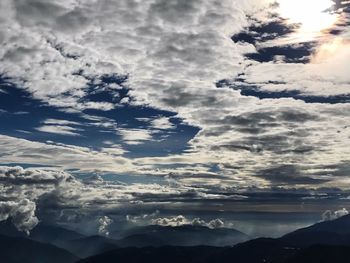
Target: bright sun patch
(314, 16)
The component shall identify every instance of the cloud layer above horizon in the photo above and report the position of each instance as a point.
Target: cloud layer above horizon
(170, 100)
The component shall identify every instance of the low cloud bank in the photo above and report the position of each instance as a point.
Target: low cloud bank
(181, 220)
(329, 215)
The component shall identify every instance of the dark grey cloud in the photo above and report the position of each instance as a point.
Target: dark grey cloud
(255, 90)
(339, 169)
(278, 144)
(266, 118)
(288, 174)
(256, 126)
(175, 11)
(50, 14)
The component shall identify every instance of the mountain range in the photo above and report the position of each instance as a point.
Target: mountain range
(323, 242)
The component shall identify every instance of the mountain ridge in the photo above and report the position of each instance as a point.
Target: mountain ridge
(295, 247)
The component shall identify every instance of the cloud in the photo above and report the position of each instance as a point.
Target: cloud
(174, 54)
(59, 129)
(284, 174)
(104, 223)
(21, 213)
(15, 150)
(29, 195)
(60, 122)
(52, 193)
(173, 221)
(216, 223)
(329, 215)
(24, 190)
(20, 190)
(135, 136)
(136, 219)
(162, 123)
(181, 221)
(18, 176)
(72, 37)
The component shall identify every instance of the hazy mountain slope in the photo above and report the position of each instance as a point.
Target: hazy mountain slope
(89, 246)
(297, 247)
(42, 232)
(186, 235)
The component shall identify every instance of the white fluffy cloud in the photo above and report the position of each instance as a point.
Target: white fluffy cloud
(20, 190)
(104, 223)
(170, 41)
(135, 136)
(21, 213)
(181, 221)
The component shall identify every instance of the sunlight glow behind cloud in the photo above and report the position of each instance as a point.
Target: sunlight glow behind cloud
(314, 16)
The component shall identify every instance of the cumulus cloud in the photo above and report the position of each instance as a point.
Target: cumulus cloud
(173, 221)
(57, 193)
(104, 223)
(181, 221)
(136, 219)
(11, 176)
(329, 215)
(216, 223)
(20, 190)
(21, 213)
(72, 36)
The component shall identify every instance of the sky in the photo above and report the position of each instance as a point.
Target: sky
(164, 111)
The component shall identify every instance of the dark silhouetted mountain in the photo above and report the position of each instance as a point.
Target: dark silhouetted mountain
(314, 254)
(8, 229)
(186, 235)
(322, 254)
(19, 250)
(339, 226)
(259, 250)
(267, 250)
(335, 232)
(158, 255)
(297, 243)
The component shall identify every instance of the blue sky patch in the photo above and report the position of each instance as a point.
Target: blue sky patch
(25, 117)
